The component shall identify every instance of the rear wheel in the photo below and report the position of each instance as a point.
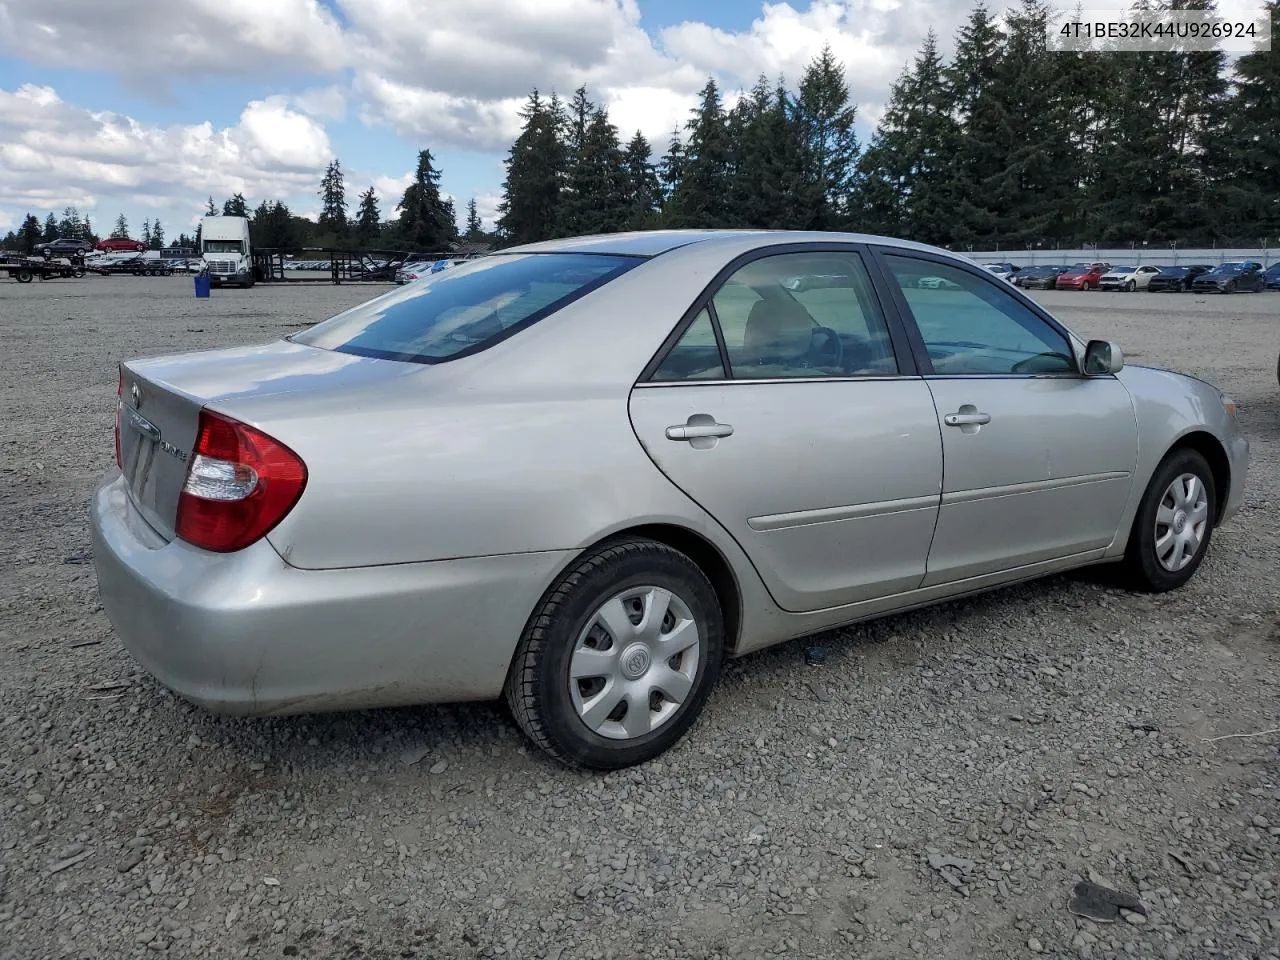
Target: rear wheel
(23, 276)
(619, 658)
(1174, 524)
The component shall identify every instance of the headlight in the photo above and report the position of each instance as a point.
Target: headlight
(1228, 404)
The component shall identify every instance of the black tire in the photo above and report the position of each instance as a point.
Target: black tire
(78, 272)
(23, 276)
(1130, 287)
(538, 685)
(1141, 567)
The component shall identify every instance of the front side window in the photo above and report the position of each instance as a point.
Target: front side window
(972, 326)
(466, 308)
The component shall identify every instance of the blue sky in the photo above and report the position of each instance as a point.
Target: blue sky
(162, 103)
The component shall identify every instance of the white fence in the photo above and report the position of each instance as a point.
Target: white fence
(1159, 255)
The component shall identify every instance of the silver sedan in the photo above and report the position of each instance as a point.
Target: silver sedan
(579, 474)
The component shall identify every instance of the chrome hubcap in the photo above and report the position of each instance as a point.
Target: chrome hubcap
(1181, 521)
(634, 663)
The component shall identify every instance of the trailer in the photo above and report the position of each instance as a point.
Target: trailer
(334, 264)
(135, 264)
(26, 269)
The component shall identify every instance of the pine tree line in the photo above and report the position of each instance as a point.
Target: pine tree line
(1008, 143)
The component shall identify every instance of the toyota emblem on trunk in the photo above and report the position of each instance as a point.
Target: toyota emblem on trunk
(136, 395)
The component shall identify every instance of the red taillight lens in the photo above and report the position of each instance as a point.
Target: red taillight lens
(240, 484)
(119, 412)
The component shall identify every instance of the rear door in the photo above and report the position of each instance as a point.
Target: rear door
(1039, 459)
(787, 405)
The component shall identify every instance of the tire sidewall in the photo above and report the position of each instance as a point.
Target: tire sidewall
(1142, 540)
(646, 567)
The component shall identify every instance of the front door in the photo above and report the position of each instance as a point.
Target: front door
(1039, 459)
(782, 410)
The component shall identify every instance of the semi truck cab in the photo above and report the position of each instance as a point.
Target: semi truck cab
(225, 251)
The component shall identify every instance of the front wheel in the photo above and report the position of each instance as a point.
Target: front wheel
(1130, 287)
(1174, 524)
(619, 658)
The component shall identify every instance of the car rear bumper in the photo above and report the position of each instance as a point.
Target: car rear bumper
(247, 633)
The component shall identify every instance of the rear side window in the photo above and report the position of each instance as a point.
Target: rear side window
(467, 308)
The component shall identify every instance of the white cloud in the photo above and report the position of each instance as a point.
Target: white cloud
(53, 154)
(157, 39)
(323, 103)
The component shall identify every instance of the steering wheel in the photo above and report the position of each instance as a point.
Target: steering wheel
(1033, 364)
(825, 341)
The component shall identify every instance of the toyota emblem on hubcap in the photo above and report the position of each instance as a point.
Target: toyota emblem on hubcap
(136, 395)
(635, 662)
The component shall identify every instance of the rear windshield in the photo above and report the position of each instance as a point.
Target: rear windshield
(466, 308)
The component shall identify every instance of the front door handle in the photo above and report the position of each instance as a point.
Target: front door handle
(966, 419)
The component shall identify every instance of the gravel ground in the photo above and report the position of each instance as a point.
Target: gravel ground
(935, 789)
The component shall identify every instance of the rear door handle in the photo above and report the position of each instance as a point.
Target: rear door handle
(694, 430)
(966, 419)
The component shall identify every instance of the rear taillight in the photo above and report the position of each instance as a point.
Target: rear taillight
(119, 413)
(240, 484)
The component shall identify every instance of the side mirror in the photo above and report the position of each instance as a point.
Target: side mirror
(1102, 357)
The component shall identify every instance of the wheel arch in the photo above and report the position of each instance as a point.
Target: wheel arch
(1211, 448)
(705, 554)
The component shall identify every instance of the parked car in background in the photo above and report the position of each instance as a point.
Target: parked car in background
(411, 271)
(1241, 276)
(63, 247)
(1272, 276)
(120, 244)
(1127, 279)
(811, 439)
(1005, 271)
(1176, 279)
(1039, 278)
(1083, 276)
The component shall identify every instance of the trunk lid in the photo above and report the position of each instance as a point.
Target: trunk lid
(161, 399)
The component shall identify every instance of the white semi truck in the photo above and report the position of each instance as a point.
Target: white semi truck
(225, 252)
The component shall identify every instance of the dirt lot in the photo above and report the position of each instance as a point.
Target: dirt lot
(1035, 736)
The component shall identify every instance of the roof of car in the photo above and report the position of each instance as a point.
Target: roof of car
(650, 243)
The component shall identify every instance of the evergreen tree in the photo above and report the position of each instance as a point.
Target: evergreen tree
(830, 146)
(1247, 166)
(643, 192)
(157, 235)
(1037, 196)
(475, 230)
(211, 210)
(767, 185)
(146, 231)
(235, 207)
(671, 169)
(980, 150)
(333, 199)
(531, 191)
(907, 173)
(70, 225)
(50, 231)
(29, 233)
(368, 218)
(121, 230)
(426, 219)
(700, 199)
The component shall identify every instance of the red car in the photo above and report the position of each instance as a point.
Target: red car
(120, 244)
(1083, 276)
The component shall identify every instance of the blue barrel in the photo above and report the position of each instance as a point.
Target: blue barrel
(203, 284)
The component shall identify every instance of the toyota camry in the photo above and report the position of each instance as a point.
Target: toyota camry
(579, 474)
